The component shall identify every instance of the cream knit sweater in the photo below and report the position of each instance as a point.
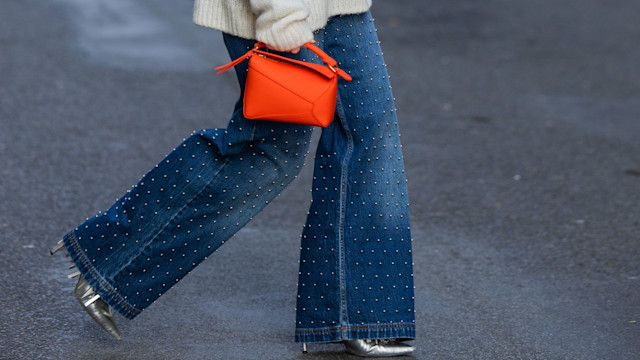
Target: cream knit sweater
(282, 24)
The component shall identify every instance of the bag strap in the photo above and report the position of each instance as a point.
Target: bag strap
(235, 62)
(331, 62)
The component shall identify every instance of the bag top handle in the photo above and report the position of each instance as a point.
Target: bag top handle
(311, 46)
(323, 55)
(331, 62)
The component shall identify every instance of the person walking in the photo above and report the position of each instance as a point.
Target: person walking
(356, 278)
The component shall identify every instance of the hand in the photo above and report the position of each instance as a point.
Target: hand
(293, 51)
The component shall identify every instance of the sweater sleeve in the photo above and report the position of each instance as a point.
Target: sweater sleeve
(282, 24)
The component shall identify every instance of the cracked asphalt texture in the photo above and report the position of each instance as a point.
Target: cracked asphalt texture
(521, 135)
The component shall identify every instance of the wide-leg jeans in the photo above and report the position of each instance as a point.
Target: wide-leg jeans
(356, 277)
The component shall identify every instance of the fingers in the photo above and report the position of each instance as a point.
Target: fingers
(293, 51)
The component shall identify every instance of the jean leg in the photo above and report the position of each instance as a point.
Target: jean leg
(195, 199)
(356, 276)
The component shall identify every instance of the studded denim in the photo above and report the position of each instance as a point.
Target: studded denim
(356, 278)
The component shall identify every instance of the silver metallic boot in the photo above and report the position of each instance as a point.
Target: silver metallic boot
(91, 302)
(99, 311)
(377, 347)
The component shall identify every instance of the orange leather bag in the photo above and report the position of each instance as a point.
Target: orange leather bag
(287, 90)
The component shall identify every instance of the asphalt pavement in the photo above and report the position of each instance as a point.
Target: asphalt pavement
(521, 134)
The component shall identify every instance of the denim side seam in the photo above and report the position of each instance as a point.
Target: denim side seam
(107, 292)
(176, 215)
(344, 314)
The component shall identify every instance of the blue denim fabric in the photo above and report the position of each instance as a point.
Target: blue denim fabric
(356, 278)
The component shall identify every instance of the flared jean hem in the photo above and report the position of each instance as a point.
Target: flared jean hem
(356, 332)
(101, 286)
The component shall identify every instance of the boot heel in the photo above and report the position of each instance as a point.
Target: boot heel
(59, 246)
(304, 348)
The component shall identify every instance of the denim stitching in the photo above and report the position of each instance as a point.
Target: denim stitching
(106, 286)
(344, 317)
(355, 327)
(175, 216)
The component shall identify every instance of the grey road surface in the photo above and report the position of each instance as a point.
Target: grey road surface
(521, 132)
